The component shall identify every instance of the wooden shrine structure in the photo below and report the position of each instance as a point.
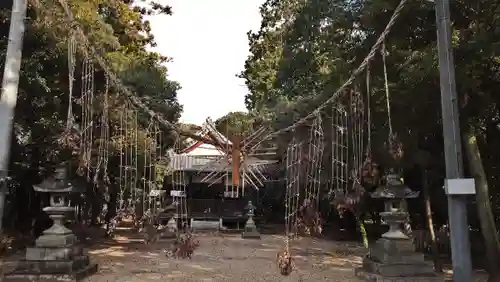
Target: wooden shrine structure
(220, 174)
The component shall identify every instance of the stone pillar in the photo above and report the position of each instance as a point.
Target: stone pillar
(393, 257)
(250, 231)
(55, 257)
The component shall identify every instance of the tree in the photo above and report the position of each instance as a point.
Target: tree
(235, 123)
(119, 32)
(305, 50)
(487, 220)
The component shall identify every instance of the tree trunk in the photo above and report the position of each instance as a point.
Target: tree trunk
(487, 221)
(438, 266)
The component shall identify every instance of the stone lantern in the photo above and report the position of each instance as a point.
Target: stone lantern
(55, 254)
(250, 231)
(156, 198)
(393, 257)
(395, 194)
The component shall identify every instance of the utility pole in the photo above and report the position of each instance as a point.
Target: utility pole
(457, 202)
(10, 84)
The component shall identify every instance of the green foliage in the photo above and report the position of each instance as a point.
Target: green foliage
(235, 123)
(118, 30)
(304, 50)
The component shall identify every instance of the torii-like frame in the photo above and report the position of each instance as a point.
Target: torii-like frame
(236, 148)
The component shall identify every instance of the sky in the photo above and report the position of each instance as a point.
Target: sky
(208, 44)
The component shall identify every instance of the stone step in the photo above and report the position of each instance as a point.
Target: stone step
(398, 270)
(391, 245)
(52, 267)
(76, 275)
(380, 255)
(44, 253)
(371, 277)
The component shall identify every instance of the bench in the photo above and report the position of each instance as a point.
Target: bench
(206, 224)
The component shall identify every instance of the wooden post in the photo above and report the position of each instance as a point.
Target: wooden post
(236, 159)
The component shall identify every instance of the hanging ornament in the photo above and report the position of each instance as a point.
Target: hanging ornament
(70, 138)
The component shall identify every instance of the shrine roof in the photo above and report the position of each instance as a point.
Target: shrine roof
(208, 128)
(186, 162)
(198, 163)
(200, 156)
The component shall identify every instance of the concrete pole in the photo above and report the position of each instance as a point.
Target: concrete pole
(457, 204)
(10, 84)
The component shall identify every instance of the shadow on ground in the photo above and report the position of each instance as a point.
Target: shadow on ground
(219, 258)
(223, 257)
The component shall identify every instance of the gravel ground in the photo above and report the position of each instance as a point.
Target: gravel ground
(220, 258)
(223, 258)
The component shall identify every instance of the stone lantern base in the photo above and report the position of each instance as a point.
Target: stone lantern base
(55, 257)
(395, 260)
(250, 231)
(393, 257)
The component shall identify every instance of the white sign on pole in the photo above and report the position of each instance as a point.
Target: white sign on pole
(464, 186)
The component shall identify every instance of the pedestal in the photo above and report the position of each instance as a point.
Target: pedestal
(393, 258)
(55, 257)
(250, 231)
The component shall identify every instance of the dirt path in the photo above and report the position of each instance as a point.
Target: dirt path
(228, 258)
